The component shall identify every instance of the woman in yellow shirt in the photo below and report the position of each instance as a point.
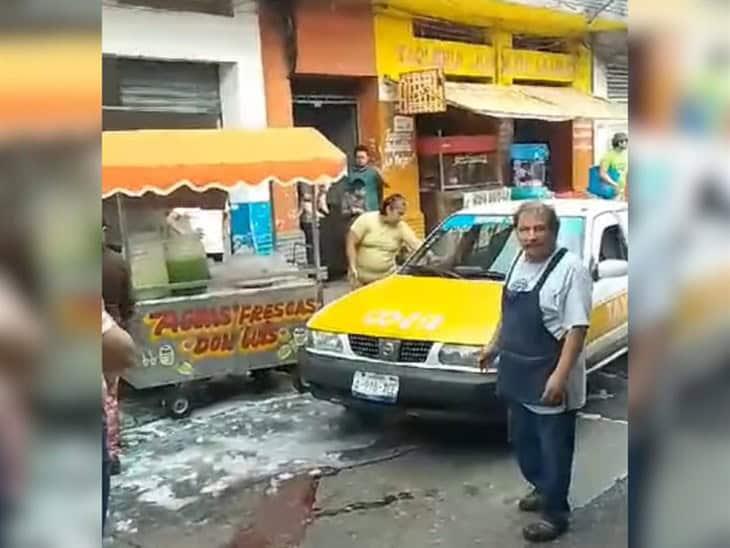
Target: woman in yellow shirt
(376, 238)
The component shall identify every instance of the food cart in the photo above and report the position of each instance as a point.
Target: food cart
(195, 320)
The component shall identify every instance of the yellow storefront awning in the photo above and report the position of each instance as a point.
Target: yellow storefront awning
(160, 161)
(554, 104)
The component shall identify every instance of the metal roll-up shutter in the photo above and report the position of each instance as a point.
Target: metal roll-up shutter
(617, 75)
(162, 86)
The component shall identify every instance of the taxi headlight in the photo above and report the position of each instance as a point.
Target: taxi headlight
(458, 354)
(324, 341)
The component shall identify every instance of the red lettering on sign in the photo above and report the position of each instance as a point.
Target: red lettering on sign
(279, 310)
(258, 337)
(258, 311)
(248, 337)
(227, 344)
(291, 308)
(268, 312)
(224, 316)
(164, 321)
(301, 308)
(187, 320)
(201, 346)
(311, 306)
(244, 314)
(205, 318)
(269, 335)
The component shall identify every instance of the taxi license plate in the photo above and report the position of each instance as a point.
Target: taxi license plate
(371, 386)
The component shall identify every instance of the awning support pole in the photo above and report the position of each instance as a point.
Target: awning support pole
(442, 172)
(121, 214)
(315, 232)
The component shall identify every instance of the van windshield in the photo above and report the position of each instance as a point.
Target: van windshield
(481, 247)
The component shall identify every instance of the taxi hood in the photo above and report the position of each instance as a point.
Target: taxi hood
(417, 308)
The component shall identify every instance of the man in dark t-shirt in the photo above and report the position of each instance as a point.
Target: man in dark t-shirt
(372, 179)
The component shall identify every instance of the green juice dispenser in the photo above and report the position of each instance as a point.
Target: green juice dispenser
(148, 268)
(187, 263)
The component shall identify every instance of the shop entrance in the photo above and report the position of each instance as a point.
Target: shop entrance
(336, 118)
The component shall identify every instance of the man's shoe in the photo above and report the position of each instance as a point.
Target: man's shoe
(545, 530)
(532, 502)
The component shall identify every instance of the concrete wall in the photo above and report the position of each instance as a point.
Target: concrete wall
(232, 42)
(278, 111)
(335, 39)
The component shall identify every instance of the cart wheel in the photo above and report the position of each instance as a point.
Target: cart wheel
(178, 405)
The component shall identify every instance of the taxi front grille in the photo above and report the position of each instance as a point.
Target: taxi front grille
(368, 347)
(408, 351)
(414, 351)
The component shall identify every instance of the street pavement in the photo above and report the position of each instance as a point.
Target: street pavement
(278, 469)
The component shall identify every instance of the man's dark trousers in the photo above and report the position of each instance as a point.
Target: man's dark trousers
(544, 445)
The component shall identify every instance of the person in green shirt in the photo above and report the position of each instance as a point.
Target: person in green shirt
(371, 178)
(616, 161)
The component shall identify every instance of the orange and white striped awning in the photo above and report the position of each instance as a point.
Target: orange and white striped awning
(137, 162)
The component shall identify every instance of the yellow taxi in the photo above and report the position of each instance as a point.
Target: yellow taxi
(411, 342)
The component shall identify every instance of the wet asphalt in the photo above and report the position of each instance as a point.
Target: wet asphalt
(262, 466)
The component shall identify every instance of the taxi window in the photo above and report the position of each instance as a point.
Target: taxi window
(482, 246)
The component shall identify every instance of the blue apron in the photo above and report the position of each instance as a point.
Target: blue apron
(528, 352)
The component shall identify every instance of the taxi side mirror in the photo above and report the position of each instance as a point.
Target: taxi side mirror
(612, 268)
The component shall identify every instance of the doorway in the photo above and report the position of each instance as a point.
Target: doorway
(335, 117)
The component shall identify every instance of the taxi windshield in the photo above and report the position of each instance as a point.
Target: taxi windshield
(481, 247)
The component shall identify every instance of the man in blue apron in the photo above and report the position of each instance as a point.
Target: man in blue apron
(538, 351)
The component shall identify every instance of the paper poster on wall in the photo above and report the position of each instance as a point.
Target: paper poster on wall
(403, 123)
(387, 90)
(399, 142)
(398, 149)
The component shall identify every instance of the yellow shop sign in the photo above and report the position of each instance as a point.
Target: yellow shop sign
(398, 51)
(456, 59)
(535, 65)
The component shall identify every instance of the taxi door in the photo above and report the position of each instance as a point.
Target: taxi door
(608, 334)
